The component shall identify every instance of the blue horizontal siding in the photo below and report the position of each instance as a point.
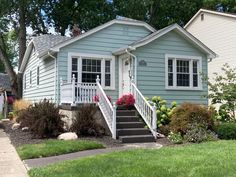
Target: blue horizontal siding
(151, 78)
(103, 42)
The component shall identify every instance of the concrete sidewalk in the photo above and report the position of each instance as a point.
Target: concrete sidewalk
(10, 163)
(41, 162)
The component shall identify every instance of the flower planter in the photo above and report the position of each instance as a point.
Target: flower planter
(124, 107)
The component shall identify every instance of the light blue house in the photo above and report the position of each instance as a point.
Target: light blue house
(128, 56)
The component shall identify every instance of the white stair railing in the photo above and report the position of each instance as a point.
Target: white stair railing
(147, 112)
(108, 111)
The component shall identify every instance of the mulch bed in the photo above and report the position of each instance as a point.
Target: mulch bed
(18, 137)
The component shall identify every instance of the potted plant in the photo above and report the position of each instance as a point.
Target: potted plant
(125, 102)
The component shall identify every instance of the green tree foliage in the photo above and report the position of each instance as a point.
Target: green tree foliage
(222, 89)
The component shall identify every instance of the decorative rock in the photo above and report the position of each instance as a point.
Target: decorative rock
(25, 129)
(67, 136)
(159, 135)
(15, 126)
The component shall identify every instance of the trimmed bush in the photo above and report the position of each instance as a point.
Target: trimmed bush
(197, 134)
(226, 130)
(85, 123)
(43, 119)
(188, 114)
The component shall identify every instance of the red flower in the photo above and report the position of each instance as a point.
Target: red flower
(126, 100)
(10, 100)
(96, 98)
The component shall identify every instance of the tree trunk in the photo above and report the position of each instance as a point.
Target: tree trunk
(9, 69)
(22, 43)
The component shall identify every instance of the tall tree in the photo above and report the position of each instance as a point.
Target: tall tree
(17, 14)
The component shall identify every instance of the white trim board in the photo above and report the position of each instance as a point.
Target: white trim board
(211, 12)
(95, 56)
(164, 31)
(183, 57)
(94, 30)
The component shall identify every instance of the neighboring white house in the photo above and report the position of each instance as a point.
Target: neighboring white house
(217, 30)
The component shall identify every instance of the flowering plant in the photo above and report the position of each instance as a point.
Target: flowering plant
(126, 100)
(10, 100)
(96, 98)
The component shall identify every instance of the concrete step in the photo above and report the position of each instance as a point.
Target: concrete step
(133, 131)
(126, 113)
(122, 125)
(137, 139)
(127, 119)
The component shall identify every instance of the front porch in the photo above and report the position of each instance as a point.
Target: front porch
(123, 125)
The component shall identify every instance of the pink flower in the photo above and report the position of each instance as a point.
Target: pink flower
(126, 100)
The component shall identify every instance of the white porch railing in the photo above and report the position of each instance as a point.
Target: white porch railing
(73, 92)
(108, 111)
(147, 112)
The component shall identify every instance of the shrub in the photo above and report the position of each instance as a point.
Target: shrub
(10, 115)
(20, 105)
(85, 123)
(175, 138)
(188, 114)
(226, 130)
(163, 111)
(126, 100)
(197, 133)
(43, 119)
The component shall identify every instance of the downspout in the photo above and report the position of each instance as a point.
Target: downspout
(55, 82)
(135, 63)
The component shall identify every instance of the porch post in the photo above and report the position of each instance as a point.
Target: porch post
(73, 91)
(154, 121)
(114, 121)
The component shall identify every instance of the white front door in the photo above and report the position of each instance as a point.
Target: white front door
(126, 80)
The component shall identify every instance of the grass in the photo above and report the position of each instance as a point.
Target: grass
(55, 147)
(211, 159)
(1, 115)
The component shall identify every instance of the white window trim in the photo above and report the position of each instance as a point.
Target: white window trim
(30, 78)
(95, 56)
(183, 57)
(37, 75)
(24, 82)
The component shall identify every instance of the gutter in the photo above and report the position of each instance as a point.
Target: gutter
(135, 62)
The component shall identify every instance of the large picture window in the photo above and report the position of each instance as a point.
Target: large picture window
(182, 72)
(86, 69)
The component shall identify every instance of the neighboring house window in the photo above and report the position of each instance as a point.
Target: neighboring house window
(182, 72)
(37, 79)
(30, 81)
(86, 69)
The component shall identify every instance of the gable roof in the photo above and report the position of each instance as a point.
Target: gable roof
(42, 44)
(5, 82)
(230, 15)
(121, 20)
(164, 31)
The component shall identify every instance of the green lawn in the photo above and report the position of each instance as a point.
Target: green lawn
(55, 147)
(212, 159)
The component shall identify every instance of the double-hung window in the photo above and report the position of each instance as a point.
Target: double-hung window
(182, 72)
(86, 68)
